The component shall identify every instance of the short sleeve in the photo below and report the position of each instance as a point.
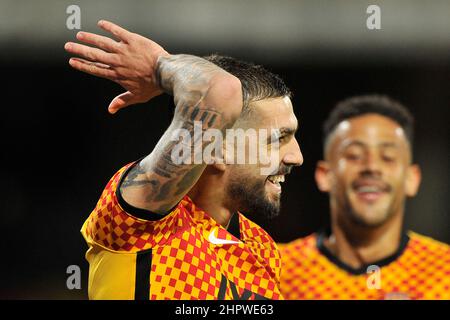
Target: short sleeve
(112, 227)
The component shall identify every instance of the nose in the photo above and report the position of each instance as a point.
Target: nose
(372, 163)
(293, 155)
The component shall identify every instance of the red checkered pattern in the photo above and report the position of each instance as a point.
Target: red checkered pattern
(185, 265)
(421, 272)
(111, 227)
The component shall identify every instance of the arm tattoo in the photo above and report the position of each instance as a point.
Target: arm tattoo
(161, 182)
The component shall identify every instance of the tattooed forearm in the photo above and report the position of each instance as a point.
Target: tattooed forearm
(134, 177)
(165, 167)
(137, 177)
(203, 93)
(186, 180)
(186, 74)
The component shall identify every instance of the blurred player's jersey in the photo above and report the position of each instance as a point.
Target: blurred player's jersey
(420, 269)
(183, 255)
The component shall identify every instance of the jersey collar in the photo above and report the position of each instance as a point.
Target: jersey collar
(233, 226)
(321, 235)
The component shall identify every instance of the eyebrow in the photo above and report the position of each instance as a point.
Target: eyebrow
(389, 144)
(362, 144)
(288, 131)
(283, 131)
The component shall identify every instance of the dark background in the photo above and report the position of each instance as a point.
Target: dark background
(60, 146)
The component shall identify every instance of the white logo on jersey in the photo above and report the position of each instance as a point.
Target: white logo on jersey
(214, 240)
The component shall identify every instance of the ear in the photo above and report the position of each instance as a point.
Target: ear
(322, 176)
(413, 178)
(218, 165)
(219, 160)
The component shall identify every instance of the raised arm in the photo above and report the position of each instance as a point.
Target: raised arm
(202, 92)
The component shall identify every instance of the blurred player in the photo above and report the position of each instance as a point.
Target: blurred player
(368, 173)
(169, 230)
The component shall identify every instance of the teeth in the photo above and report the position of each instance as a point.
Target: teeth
(368, 189)
(276, 178)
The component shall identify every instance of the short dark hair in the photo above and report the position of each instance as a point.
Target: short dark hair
(257, 82)
(372, 103)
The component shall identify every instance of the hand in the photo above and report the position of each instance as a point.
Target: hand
(131, 62)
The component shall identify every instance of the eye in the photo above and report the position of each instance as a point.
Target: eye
(389, 155)
(275, 138)
(388, 158)
(354, 153)
(353, 156)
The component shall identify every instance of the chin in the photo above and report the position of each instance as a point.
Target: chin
(369, 219)
(274, 199)
(370, 214)
(254, 200)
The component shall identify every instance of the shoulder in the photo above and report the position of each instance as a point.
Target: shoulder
(115, 225)
(428, 245)
(299, 249)
(428, 262)
(427, 255)
(253, 231)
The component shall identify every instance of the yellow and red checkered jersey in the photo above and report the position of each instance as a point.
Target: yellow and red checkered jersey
(420, 269)
(178, 256)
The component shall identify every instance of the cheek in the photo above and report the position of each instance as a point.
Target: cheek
(343, 173)
(249, 173)
(397, 176)
(274, 152)
(395, 170)
(341, 166)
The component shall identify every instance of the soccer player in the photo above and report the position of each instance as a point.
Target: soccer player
(368, 173)
(165, 229)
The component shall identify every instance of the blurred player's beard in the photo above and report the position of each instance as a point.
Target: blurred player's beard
(250, 197)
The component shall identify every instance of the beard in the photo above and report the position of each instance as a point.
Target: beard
(250, 197)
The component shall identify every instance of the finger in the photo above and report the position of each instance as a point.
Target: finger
(93, 68)
(117, 31)
(98, 64)
(92, 54)
(102, 42)
(121, 101)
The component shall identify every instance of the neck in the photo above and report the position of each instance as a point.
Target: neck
(357, 245)
(209, 194)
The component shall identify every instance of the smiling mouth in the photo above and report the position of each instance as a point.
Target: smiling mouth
(275, 182)
(370, 192)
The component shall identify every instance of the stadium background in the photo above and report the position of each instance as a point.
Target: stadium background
(60, 146)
